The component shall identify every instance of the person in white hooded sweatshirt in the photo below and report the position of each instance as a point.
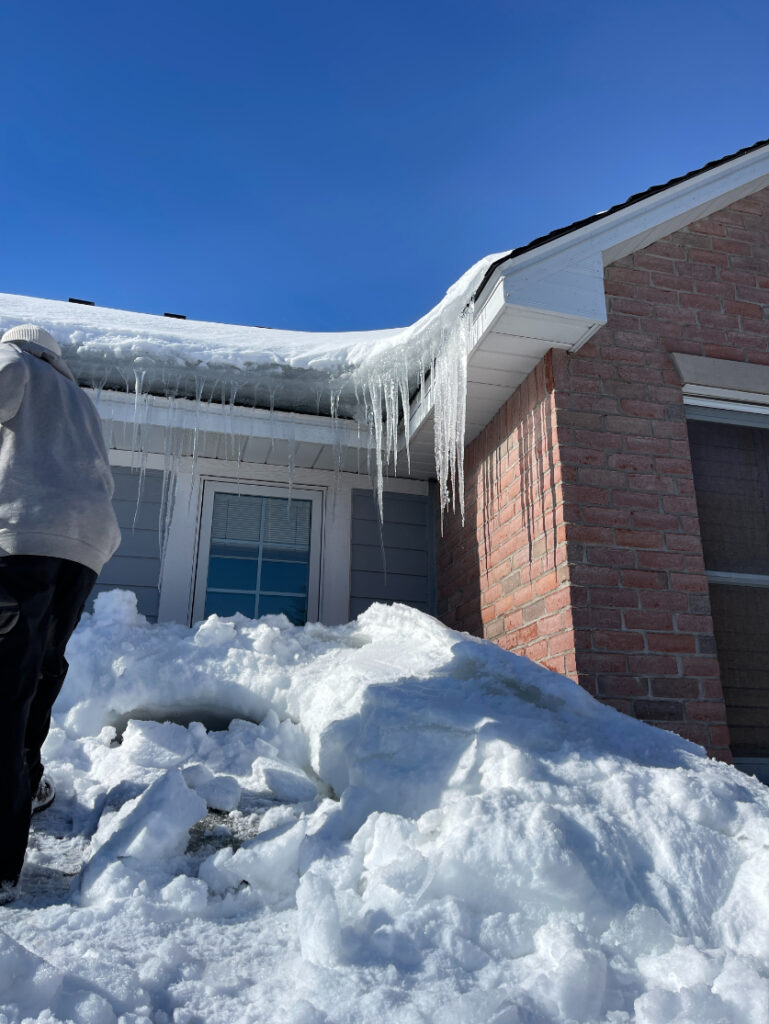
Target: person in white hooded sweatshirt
(57, 529)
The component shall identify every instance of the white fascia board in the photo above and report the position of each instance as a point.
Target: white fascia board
(211, 418)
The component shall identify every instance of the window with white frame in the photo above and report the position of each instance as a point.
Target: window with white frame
(259, 552)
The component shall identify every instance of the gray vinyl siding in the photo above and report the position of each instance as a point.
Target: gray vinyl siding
(409, 552)
(136, 563)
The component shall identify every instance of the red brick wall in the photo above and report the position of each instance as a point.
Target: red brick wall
(504, 575)
(581, 547)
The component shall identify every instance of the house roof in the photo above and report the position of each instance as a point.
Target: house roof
(638, 197)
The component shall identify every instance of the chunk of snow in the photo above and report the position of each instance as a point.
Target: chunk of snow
(221, 793)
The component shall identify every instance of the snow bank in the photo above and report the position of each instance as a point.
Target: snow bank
(429, 829)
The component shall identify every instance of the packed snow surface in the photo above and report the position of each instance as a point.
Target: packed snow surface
(385, 821)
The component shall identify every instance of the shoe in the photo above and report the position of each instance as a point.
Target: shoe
(44, 796)
(9, 891)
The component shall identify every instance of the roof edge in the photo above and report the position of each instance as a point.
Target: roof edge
(633, 200)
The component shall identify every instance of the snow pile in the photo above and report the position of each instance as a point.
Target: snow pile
(427, 829)
(368, 376)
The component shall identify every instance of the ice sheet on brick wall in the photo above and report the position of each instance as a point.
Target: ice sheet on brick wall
(426, 828)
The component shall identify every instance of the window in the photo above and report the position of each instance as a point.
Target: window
(259, 553)
(731, 476)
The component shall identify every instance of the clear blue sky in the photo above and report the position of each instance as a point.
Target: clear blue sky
(337, 165)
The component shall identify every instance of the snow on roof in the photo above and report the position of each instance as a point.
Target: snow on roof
(364, 375)
(100, 343)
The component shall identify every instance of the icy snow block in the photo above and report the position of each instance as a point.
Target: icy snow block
(145, 833)
(269, 864)
(222, 793)
(187, 895)
(157, 744)
(320, 934)
(285, 782)
(196, 775)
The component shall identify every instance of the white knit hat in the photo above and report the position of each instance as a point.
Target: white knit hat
(29, 332)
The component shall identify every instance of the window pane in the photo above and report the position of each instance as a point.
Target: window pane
(294, 608)
(228, 604)
(285, 577)
(741, 627)
(287, 522)
(286, 553)
(232, 574)
(236, 516)
(233, 549)
(260, 545)
(731, 478)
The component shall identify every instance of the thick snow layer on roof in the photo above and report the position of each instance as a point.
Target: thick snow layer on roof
(368, 376)
(93, 336)
(405, 825)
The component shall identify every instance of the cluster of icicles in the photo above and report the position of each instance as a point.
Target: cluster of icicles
(427, 364)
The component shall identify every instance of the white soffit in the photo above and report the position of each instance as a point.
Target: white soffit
(277, 438)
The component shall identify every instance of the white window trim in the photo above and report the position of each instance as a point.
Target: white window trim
(737, 579)
(213, 486)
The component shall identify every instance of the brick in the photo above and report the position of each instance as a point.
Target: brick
(621, 686)
(603, 516)
(623, 706)
(689, 582)
(561, 642)
(628, 425)
(599, 661)
(698, 733)
(596, 618)
(594, 575)
(659, 710)
(639, 539)
(653, 664)
(646, 619)
(665, 560)
(695, 623)
(644, 579)
(613, 597)
(667, 600)
(700, 666)
(671, 643)
(719, 736)
(617, 640)
(618, 558)
(706, 711)
(683, 689)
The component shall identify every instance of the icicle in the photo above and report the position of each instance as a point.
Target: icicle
(403, 387)
(291, 431)
(375, 411)
(138, 383)
(196, 430)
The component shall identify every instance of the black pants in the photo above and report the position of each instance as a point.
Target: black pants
(51, 594)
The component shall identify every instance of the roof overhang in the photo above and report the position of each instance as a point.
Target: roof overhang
(552, 295)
